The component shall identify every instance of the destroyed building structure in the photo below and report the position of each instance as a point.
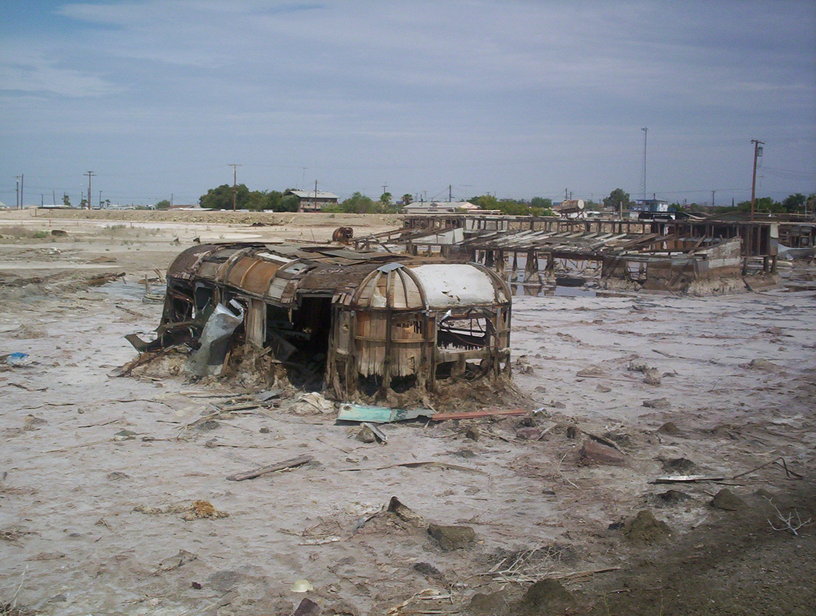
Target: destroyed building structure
(375, 322)
(687, 256)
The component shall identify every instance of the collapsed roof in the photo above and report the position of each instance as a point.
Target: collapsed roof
(374, 323)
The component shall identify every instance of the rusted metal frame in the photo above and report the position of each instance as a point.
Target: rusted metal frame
(389, 322)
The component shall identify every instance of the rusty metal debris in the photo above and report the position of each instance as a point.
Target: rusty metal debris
(365, 325)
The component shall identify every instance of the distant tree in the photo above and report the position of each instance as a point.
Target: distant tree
(256, 200)
(289, 203)
(66, 200)
(83, 204)
(794, 202)
(359, 203)
(617, 198)
(763, 204)
(220, 197)
(164, 204)
(407, 199)
(385, 198)
(541, 202)
(271, 200)
(486, 202)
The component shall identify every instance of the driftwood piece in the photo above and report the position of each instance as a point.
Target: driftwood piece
(478, 414)
(279, 466)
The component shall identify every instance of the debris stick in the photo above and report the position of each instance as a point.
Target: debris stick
(279, 466)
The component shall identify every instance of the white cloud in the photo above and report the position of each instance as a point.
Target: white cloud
(35, 72)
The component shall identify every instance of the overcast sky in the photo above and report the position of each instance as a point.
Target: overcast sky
(516, 98)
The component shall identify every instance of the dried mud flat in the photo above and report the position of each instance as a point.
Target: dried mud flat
(114, 497)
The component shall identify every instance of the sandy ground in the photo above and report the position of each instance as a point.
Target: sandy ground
(98, 472)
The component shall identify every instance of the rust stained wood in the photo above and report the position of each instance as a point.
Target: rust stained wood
(478, 414)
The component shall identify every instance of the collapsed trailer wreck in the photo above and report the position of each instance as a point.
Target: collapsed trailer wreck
(374, 324)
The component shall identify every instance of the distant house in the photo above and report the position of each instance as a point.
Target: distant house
(651, 209)
(313, 200)
(650, 205)
(439, 207)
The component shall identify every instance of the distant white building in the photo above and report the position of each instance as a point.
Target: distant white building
(439, 207)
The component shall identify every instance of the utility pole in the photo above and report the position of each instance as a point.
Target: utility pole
(757, 153)
(314, 204)
(17, 198)
(100, 199)
(53, 197)
(22, 189)
(90, 174)
(645, 136)
(450, 193)
(566, 194)
(171, 199)
(234, 184)
(712, 197)
(385, 187)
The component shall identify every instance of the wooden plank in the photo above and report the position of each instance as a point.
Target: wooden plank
(477, 414)
(279, 466)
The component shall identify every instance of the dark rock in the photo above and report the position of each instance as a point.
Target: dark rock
(593, 452)
(529, 434)
(644, 528)
(546, 597)
(452, 537)
(307, 607)
(672, 497)
(678, 465)
(619, 438)
(209, 425)
(493, 604)
(366, 435)
(196, 585)
(264, 430)
(725, 499)
(428, 569)
(603, 389)
(117, 476)
(572, 432)
(526, 422)
(652, 377)
(762, 365)
(669, 428)
(473, 433)
(465, 453)
(657, 403)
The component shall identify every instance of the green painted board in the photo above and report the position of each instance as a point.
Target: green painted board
(378, 414)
